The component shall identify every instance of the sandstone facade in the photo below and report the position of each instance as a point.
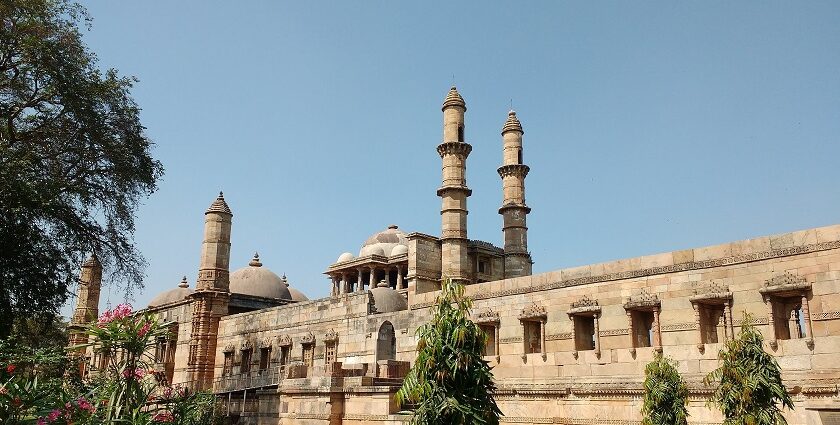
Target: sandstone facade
(567, 347)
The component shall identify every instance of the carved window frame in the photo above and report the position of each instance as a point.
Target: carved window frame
(246, 357)
(586, 307)
(307, 344)
(490, 318)
(644, 302)
(530, 315)
(787, 285)
(713, 295)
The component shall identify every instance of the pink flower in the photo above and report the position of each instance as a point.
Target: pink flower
(55, 414)
(41, 421)
(144, 330)
(3, 390)
(163, 417)
(137, 373)
(10, 368)
(84, 404)
(120, 312)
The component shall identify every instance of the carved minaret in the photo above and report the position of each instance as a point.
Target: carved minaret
(454, 191)
(514, 211)
(212, 293)
(87, 300)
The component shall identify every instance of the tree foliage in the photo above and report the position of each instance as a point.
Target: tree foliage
(450, 382)
(74, 159)
(665, 394)
(749, 381)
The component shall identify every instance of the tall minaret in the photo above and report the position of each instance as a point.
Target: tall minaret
(87, 300)
(212, 293)
(454, 191)
(514, 211)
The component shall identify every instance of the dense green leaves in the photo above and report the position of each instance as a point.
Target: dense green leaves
(749, 382)
(665, 394)
(74, 159)
(450, 382)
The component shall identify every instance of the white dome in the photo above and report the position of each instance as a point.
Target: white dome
(399, 250)
(172, 295)
(345, 257)
(387, 300)
(258, 281)
(384, 242)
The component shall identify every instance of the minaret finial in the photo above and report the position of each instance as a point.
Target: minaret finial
(184, 283)
(255, 262)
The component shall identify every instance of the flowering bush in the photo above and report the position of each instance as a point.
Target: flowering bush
(125, 389)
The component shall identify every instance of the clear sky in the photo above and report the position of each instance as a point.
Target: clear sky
(649, 126)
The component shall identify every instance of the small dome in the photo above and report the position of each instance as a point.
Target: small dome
(219, 206)
(258, 281)
(345, 257)
(399, 250)
(387, 300)
(294, 293)
(172, 295)
(384, 242)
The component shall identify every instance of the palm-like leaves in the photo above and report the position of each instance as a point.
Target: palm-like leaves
(749, 382)
(665, 394)
(450, 382)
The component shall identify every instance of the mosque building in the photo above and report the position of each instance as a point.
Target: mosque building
(567, 346)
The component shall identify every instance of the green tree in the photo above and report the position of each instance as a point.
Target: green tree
(74, 159)
(749, 381)
(450, 382)
(665, 394)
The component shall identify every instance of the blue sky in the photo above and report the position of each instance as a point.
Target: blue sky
(649, 126)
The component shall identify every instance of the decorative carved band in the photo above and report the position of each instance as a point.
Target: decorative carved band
(560, 336)
(510, 340)
(518, 170)
(651, 271)
(614, 332)
(828, 315)
(679, 327)
(712, 292)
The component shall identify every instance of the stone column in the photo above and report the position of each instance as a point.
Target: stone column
(806, 312)
(630, 332)
(345, 286)
(727, 316)
(334, 290)
(542, 338)
(771, 322)
(399, 278)
(657, 334)
(361, 283)
(372, 279)
(597, 336)
(697, 325)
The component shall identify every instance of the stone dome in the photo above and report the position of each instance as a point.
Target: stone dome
(384, 242)
(294, 293)
(345, 257)
(172, 295)
(258, 281)
(399, 250)
(387, 300)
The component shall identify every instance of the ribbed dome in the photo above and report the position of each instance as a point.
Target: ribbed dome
(258, 281)
(453, 98)
(512, 123)
(172, 295)
(383, 243)
(387, 300)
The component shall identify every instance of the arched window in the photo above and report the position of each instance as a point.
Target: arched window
(386, 343)
(461, 133)
(519, 156)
